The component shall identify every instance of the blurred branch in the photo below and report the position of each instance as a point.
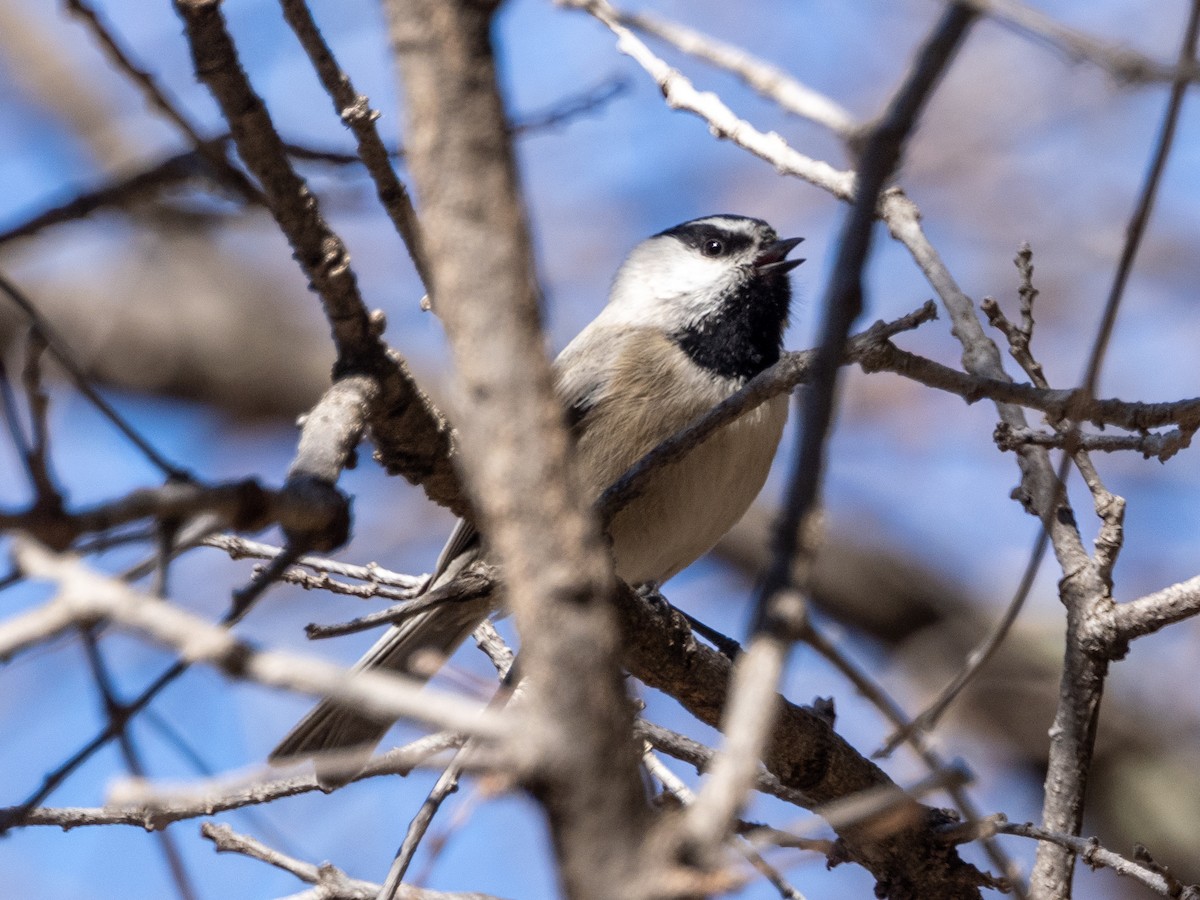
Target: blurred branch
(148, 181)
(675, 788)
(211, 151)
(241, 602)
(35, 453)
(244, 505)
(85, 597)
(1123, 63)
(63, 355)
(446, 784)
(64, 86)
(779, 608)
(111, 708)
(579, 759)
(683, 748)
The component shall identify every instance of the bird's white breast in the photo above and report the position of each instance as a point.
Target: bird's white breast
(690, 504)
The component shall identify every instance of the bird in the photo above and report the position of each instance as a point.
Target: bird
(694, 312)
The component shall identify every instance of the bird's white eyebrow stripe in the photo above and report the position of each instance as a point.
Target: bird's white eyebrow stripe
(735, 230)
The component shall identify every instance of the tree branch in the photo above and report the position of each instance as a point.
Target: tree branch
(576, 731)
(411, 436)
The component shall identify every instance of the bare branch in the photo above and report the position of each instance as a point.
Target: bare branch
(150, 807)
(411, 436)
(1087, 591)
(675, 786)
(240, 548)
(770, 81)
(681, 94)
(477, 580)
(1096, 856)
(804, 753)
(332, 883)
(62, 354)
(1151, 446)
(354, 110)
(1156, 611)
(212, 152)
(1123, 63)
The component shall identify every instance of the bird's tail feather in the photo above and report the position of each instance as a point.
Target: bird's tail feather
(333, 726)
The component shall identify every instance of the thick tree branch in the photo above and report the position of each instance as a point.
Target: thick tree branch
(803, 752)
(577, 721)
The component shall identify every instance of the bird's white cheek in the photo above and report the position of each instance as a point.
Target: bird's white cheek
(672, 291)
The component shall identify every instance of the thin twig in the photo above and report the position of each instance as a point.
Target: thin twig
(356, 114)
(332, 883)
(681, 94)
(881, 700)
(446, 785)
(768, 80)
(1096, 856)
(239, 547)
(676, 787)
(476, 581)
(240, 604)
(12, 419)
(151, 807)
(90, 596)
(1019, 340)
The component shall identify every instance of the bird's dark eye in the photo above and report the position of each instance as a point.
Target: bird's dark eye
(713, 247)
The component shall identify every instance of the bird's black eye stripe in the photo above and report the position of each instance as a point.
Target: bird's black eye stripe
(709, 239)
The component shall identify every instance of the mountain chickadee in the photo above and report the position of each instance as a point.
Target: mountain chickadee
(694, 313)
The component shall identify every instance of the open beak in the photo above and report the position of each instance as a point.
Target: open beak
(773, 260)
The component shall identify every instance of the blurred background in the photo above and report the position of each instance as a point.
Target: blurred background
(187, 306)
